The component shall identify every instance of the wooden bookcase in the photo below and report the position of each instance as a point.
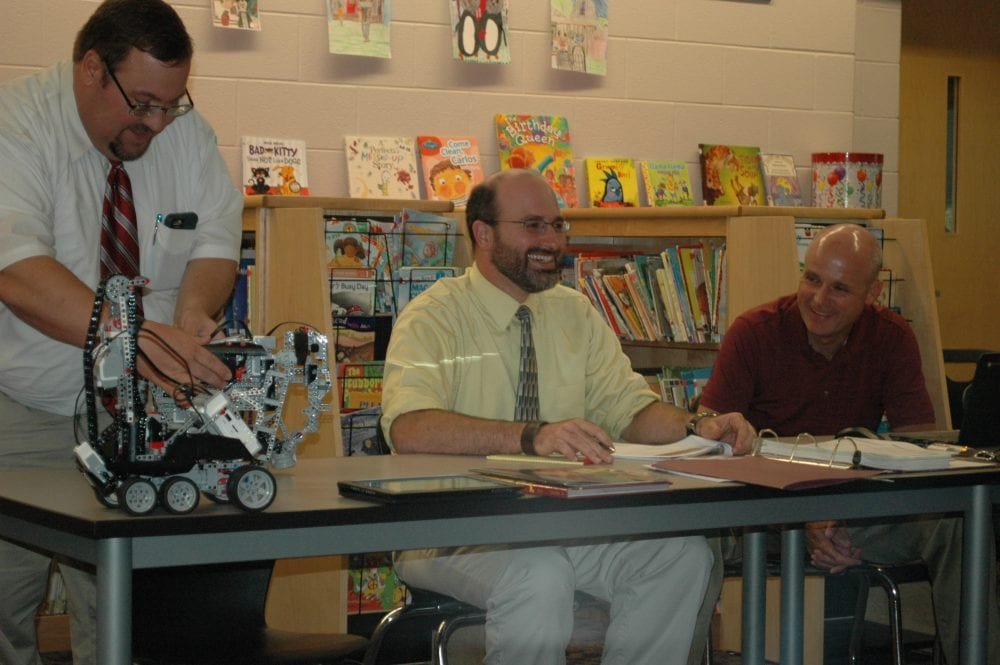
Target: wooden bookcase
(290, 286)
(762, 264)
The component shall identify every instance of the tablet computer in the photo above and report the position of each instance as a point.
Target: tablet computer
(426, 488)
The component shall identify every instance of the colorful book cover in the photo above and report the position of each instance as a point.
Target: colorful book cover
(427, 239)
(666, 183)
(274, 166)
(381, 167)
(359, 27)
(451, 166)
(373, 585)
(359, 431)
(479, 32)
(543, 143)
(730, 175)
(352, 291)
(236, 14)
(611, 182)
(360, 384)
(411, 281)
(780, 179)
(580, 36)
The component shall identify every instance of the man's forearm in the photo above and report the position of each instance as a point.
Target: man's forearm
(48, 297)
(446, 432)
(205, 288)
(658, 422)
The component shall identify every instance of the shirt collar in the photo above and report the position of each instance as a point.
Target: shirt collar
(499, 307)
(76, 136)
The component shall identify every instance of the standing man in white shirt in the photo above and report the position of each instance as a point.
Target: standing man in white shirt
(123, 99)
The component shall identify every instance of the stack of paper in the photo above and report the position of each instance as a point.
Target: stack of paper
(857, 451)
(689, 446)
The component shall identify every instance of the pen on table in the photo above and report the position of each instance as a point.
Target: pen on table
(538, 459)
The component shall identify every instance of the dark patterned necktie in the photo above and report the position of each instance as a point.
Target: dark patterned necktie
(119, 235)
(526, 408)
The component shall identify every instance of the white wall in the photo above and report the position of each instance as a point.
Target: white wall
(797, 76)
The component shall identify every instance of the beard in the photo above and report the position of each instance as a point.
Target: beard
(128, 152)
(515, 267)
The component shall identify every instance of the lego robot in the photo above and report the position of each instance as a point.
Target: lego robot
(168, 449)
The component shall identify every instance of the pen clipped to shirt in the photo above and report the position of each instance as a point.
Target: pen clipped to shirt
(185, 221)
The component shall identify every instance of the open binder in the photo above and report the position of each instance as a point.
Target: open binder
(851, 451)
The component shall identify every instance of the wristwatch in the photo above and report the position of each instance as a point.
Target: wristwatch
(692, 424)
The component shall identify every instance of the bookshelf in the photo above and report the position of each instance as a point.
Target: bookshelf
(763, 264)
(290, 284)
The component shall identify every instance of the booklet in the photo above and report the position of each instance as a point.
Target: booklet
(580, 481)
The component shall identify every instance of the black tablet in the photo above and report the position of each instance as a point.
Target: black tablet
(424, 488)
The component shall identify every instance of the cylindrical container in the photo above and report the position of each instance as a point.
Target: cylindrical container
(847, 179)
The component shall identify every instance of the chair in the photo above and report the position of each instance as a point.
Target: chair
(957, 387)
(196, 615)
(423, 630)
(889, 578)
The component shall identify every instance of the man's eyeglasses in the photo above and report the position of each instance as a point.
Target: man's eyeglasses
(146, 110)
(539, 226)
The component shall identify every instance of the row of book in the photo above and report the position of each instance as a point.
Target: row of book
(678, 295)
(446, 168)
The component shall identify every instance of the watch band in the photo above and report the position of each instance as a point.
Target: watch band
(692, 424)
(528, 435)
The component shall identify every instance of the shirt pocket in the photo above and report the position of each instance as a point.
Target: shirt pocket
(168, 259)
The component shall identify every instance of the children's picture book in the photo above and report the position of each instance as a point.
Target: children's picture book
(411, 281)
(611, 182)
(543, 143)
(451, 166)
(730, 175)
(374, 586)
(352, 291)
(427, 239)
(580, 481)
(359, 27)
(359, 384)
(780, 179)
(580, 36)
(382, 167)
(479, 31)
(359, 430)
(666, 183)
(354, 338)
(236, 14)
(274, 166)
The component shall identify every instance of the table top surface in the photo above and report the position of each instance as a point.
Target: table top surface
(307, 497)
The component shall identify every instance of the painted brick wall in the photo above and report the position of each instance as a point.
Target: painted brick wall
(796, 76)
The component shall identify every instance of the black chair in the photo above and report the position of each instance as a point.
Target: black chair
(957, 387)
(422, 630)
(901, 643)
(212, 615)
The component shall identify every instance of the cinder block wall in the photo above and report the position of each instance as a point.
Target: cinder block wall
(795, 76)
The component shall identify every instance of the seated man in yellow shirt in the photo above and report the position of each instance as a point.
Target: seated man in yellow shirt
(450, 386)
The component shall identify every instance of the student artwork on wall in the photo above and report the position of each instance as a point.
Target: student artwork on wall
(479, 31)
(237, 14)
(580, 35)
(359, 27)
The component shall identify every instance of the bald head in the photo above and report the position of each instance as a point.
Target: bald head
(485, 200)
(851, 244)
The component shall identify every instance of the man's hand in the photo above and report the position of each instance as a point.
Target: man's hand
(732, 428)
(830, 546)
(575, 438)
(171, 358)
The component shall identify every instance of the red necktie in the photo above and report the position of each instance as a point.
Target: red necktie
(119, 235)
